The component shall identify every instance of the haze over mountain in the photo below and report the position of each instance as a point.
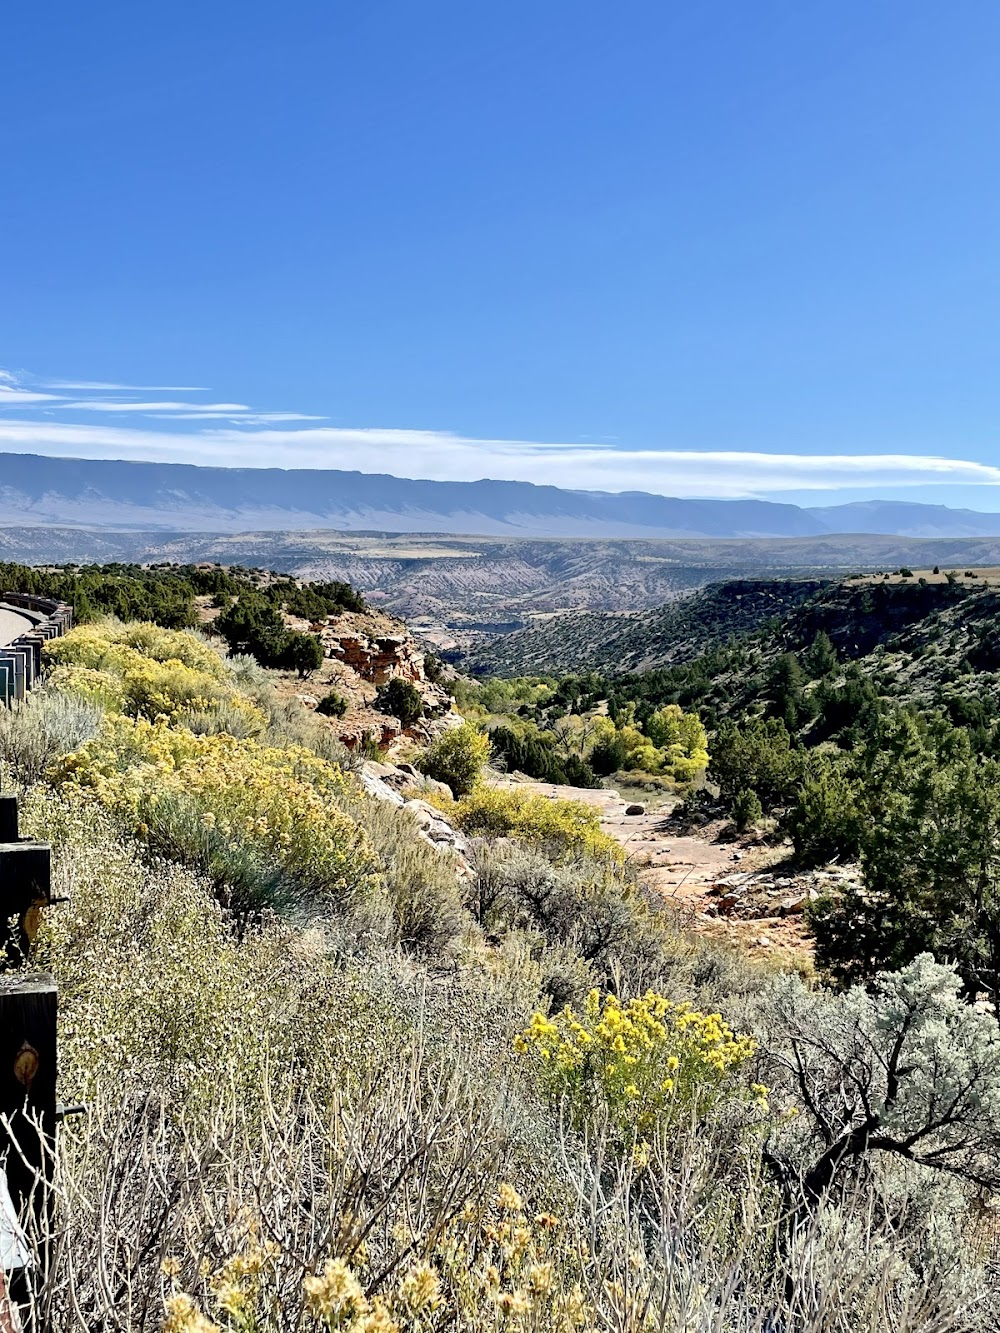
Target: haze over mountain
(42, 491)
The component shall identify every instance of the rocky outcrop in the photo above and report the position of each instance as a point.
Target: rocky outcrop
(379, 648)
(376, 657)
(386, 782)
(363, 650)
(763, 895)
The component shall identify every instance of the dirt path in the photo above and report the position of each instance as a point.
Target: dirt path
(734, 894)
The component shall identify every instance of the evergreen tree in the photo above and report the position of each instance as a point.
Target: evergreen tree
(821, 657)
(402, 699)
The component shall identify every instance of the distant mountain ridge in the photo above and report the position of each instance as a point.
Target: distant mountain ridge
(182, 497)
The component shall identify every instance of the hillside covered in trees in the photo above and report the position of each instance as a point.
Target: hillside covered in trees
(429, 1057)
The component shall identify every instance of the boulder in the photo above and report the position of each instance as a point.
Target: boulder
(635, 809)
(432, 825)
(791, 906)
(434, 828)
(380, 789)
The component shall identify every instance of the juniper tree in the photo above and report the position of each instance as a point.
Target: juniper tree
(928, 821)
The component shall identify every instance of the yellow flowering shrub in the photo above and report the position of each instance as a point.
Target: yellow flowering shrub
(145, 671)
(263, 821)
(650, 1062)
(99, 687)
(107, 647)
(494, 1267)
(505, 1266)
(566, 826)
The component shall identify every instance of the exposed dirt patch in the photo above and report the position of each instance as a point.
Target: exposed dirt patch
(740, 893)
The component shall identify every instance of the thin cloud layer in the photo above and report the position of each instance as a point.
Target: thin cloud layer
(80, 385)
(189, 409)
(252, 438)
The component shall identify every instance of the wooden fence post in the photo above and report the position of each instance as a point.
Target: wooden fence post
(28, 1085)
(28, 1115)
(27, 1054)
(25, 886)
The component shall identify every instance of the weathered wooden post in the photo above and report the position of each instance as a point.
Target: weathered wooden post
(27, 1052)
(25, 886)
(28, 1098)
(8, 818)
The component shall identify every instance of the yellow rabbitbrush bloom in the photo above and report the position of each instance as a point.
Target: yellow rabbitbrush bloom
(491, 1269)
(144, 671)
(261, 819)
(565, 826)
(109, 647)
(183, 1316)
(650, 1062)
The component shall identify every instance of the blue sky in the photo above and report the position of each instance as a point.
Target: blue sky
(714, 248)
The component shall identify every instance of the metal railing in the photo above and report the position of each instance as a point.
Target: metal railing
(21, 660)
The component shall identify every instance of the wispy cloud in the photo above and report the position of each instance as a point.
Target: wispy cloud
(192, 409)
(237, 435)
(443, 456)
(10, 396)
(246, 418)
(121, 388)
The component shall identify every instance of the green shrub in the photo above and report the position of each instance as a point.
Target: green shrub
(302, 653)
(457, 758)
(746, 810)
(332, 704)
(824, 822)
(37, 732)
(756, 755)
(401, 699)
(609, 755)
(534, 753)
(591, 908)
(254, 626)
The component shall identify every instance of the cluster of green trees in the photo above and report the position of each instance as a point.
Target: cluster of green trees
(557, 730)
(252, 605)
(538, 757)
(255, 625)
(839, 758)
(129, 592)
(911, 794)
(920, 810)
(165, 593)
